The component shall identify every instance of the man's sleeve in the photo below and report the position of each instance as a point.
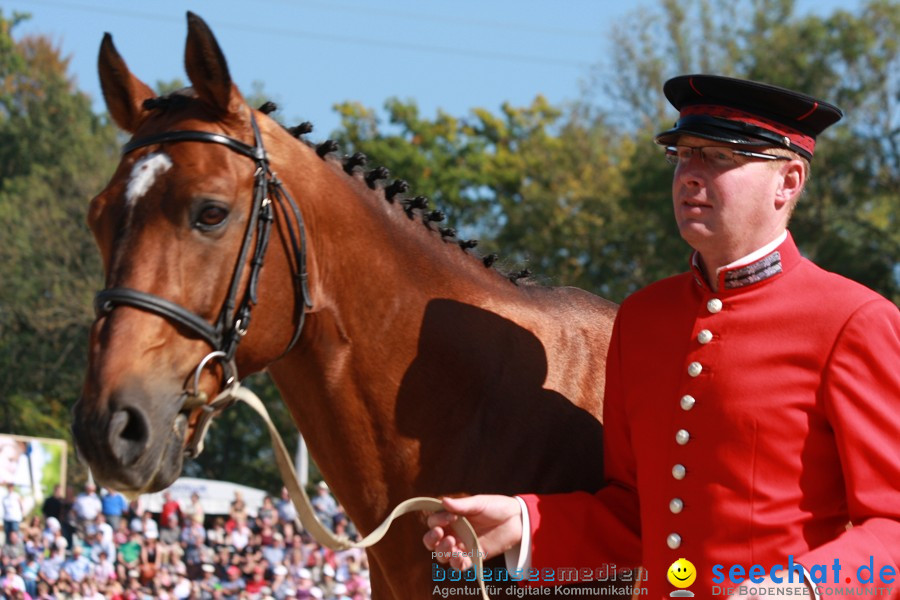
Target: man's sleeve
(861, 393)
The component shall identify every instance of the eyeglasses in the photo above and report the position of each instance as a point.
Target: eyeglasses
(719, 157)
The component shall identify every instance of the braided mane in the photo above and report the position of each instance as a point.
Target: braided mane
(377, 178)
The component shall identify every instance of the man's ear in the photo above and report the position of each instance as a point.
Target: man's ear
(790, 184)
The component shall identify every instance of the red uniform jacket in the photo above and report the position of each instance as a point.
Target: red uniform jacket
(753, 423)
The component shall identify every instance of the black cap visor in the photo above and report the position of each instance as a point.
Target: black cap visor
(726, 131)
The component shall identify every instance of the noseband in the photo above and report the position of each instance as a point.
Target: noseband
(231, 325)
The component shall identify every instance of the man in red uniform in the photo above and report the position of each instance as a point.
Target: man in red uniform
(752, 408)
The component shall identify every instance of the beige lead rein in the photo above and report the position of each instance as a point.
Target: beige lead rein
(322, 534)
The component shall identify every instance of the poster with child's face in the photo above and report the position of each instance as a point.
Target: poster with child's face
(34, 465)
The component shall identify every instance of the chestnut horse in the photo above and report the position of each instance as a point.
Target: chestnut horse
(417, 370)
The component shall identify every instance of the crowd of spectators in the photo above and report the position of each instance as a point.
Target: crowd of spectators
(99, 545)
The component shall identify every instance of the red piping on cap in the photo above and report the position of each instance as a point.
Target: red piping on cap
(691, 82)
(811, 111)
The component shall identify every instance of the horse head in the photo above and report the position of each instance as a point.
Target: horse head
(183, 229)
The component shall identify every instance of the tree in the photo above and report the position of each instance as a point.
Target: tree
(54, 155)
(538, 182)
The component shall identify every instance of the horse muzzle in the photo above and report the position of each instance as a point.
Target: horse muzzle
(128, 447)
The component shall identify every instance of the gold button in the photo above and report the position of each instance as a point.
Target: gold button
(695, 369)
(676, 505)
(678, 471)
(673, 541)
(705, 336)
(682, 437)
(687, 402)
(714, 305)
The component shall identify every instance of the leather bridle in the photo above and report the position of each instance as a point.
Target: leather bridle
(226, 332)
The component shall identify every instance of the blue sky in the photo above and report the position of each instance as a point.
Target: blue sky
(311, 54)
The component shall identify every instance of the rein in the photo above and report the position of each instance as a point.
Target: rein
(306, 514)
(231, 326)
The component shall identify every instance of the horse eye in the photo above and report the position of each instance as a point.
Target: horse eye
(211, 216)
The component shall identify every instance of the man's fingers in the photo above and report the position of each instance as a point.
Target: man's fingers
(471, 505)
(432, 537)
(446, 545)
(441, 519)
(461, 563)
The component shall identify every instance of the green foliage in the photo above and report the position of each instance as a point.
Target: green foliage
(54, 155)
(578, 193)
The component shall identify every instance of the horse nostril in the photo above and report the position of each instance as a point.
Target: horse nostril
(128, 434)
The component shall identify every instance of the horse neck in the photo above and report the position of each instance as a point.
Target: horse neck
(373, 274)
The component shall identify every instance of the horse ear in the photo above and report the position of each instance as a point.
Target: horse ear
(124, 93)
(207, 69)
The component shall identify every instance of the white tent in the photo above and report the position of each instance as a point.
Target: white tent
(216, 496)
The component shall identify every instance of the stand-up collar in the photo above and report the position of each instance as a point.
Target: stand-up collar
(759, 266)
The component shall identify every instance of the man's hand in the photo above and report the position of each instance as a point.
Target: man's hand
(800, 589)
(497, 521)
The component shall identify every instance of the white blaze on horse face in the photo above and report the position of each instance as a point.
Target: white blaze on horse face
(144, 174)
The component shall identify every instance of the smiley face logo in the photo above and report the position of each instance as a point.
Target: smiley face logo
(681, 573)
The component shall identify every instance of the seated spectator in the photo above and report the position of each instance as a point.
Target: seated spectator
(222, 561)
(94, 544)
(32, 528)
(182, 584)
(77, 567)
(208, 582)
(89, 591)
(289, 533)
(148, 526)
(280, 582)
(52, 533)
(51, 567)
(252, 552)
(257, 580)
(217, 535)
(122, 533)
(129, 556)
(287, 512)
(30, 573)
(267, 514)
(327, 580)
(13, 551)
(234, 584)
(150, 561)
(340, 592)
(107, 535)
(11, 580)
(239, 536)
(64, 586)
(324, 505)
(104, 570)
(274, 554)
(170, 539)
(306, 587)
(43, 591)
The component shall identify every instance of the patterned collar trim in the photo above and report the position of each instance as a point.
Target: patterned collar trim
(763, 269)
